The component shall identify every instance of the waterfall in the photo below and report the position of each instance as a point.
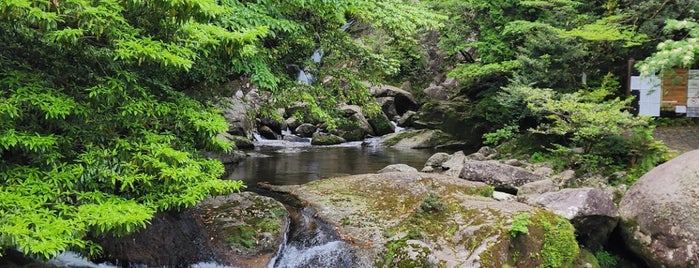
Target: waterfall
(305, 76)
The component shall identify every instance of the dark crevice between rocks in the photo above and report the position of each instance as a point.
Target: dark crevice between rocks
(616, 246)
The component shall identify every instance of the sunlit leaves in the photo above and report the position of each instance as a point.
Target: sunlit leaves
(674, 53)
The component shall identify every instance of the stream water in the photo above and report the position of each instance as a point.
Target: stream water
(310, 243)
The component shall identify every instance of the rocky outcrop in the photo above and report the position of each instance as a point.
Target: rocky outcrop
(321, 138)
(238, 115)
(401, 219)
(240, 230)
(590, 210)
(659, 213)
(503, 177)
(267, 133)
(381, 125)
(417, 139)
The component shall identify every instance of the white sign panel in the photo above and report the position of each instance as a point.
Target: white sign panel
(649, 94)
(693, 88)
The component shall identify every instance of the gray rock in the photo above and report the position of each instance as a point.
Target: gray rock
(567, 177)
(417, 139)
(321, 138)
(543, 171)
(358, 126)
(529, 191)
(406, 120)
(455, 164)
(404, 100)
(476, 157)
(397, 168)
(513, 162)
(436, 92)
(238, 115)
(267, 133)
(590, 210)
(388, 106)
(381, 125)
(292, 123)
(436, 160)
(659, 213)
(305, 130)
(503, 177)
(487, 152)
(502, 196)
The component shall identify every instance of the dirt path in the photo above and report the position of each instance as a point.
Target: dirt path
(681, 139)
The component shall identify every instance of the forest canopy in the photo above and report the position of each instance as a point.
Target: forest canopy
(106, 105)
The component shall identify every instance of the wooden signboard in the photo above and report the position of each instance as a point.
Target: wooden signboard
(674, 88)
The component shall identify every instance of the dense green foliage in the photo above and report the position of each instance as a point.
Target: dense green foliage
(105, 105)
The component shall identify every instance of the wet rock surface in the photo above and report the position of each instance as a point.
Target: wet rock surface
(240, 230)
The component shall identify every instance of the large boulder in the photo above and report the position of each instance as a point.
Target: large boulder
(417, 139)
(305, 130)
(238, 115)
(357, 126)
(403, 100)
(267, 133)
(659, 213)
(401, 219)
(240, 230)
(503, 177)
(590, 210)
(381, 125)
(388, 106)
(528, 192)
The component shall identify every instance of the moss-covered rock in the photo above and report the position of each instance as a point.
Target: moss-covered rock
(240, 230)
(321, 138)
(430, 220)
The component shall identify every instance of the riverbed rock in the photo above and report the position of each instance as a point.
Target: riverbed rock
(659, 213)
(590, 210)
(388, 107)
(240, 230)
(267, 133)
(434, 163)
(322, 138)
(381, 125)
(306, 130)
(503, 177)
(403, 219)
(238, 115)
(406, 120)
(357, 127)
(417, 139)
(397, 168)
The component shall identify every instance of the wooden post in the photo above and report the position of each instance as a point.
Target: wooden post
(629, 72)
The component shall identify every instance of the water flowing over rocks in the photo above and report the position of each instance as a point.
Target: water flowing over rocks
(659, 213)
(401, 219)
(591, 211)
(240, 230)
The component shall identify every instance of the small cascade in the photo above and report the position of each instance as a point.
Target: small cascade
(305, 77)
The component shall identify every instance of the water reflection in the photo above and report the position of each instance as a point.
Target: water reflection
(298, 164)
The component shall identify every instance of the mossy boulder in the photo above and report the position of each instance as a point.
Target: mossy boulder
(423, 220)
(240, 230)
(322, 138)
